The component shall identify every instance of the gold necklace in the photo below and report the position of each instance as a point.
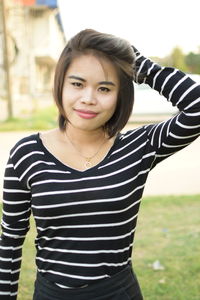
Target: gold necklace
(88, 159)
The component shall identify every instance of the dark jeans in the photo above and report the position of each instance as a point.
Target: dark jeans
(121, 286)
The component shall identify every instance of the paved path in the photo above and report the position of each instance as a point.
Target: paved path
(179, 174)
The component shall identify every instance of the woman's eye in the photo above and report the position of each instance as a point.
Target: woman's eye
(104, 89)
(76, 84)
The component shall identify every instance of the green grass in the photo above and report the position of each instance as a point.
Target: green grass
(42, 119)
(168, 231)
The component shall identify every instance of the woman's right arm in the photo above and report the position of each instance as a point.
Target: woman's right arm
(14, 226)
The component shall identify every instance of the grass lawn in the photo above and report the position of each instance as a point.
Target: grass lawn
(45, 118)
(168, 231)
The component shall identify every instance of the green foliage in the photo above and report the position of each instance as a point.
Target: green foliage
(178, 59)
(189, 63)
(193, 62)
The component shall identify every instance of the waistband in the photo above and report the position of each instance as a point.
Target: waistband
(117, 282)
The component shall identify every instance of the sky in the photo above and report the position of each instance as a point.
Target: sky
(155, 27)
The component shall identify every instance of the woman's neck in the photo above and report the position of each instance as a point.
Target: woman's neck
(84, 137)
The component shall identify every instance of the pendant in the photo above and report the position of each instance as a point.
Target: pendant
(88, 164)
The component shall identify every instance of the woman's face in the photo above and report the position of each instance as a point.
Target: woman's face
(90, 92)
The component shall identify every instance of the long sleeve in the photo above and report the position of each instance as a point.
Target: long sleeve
(179, 131)
(14, 225)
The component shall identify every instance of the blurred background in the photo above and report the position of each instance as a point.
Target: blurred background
(34, 32)
(32, 36)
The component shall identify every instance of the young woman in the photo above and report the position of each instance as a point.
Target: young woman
(84, 181)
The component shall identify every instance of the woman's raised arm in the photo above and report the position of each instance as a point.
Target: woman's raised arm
(179, 131)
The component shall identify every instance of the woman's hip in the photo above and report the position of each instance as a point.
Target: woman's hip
(121, 286)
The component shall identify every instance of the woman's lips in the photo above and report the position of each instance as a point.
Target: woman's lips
(86, 114)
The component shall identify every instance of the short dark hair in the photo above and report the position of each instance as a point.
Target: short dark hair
(119, 52)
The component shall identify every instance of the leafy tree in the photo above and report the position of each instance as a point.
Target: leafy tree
(175, 59)
(189, 63)
(193, 62)
(178, 59)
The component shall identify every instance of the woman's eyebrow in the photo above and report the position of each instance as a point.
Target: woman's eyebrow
(82, 79)
(107, 83)
(76, 77)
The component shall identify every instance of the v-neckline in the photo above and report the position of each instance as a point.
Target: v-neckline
(70, 168)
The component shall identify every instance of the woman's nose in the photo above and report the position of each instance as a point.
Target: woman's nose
(89, 97)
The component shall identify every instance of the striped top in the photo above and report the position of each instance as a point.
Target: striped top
(86, 220)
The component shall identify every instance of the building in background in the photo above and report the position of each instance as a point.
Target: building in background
(35, 41)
